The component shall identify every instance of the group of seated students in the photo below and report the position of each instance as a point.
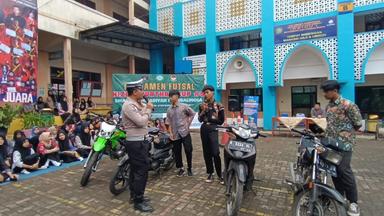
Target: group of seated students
(52, 147)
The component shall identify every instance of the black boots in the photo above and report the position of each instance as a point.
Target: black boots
(143, 207)
(141, 203)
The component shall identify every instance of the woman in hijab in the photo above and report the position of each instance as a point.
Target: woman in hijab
(40, 104)
(83, 140)
(48, 149)
(5, 171)
(90, 103)
(83, 106)
(67, 150)
(24, 157)
(34, 138)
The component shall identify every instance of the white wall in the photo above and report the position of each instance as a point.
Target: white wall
(375, 63)
(68, 17)
(234, 75)
(305, 62)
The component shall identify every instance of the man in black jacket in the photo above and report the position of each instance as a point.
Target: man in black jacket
(211, 114)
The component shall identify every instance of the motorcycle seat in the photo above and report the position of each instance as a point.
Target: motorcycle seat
(153, 131)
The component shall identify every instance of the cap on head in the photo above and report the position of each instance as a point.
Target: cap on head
(208, 87)
(330, 85)
(174, 92)
(134, 85)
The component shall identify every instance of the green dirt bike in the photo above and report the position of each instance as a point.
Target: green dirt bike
(107, 141)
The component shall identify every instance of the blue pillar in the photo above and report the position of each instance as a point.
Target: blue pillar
(181, 51)
(212, 45)
(269, 89)
(156, 55)
(345, 36)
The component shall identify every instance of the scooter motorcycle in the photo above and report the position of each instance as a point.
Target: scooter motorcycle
(240, 156)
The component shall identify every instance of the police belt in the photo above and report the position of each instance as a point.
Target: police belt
(209, 123)
(135, 138)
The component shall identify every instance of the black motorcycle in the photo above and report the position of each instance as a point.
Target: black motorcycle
(316, 160)
(239, 157)
(160, 154)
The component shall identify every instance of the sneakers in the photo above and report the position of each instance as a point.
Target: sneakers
(24, 171)
(221, 180)
(353, 210)
(181, 173)
(45, 166)
(209, 179)
(190, 173)
(55, 163)
(80, 158)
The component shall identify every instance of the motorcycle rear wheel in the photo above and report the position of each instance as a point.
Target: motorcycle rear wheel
(88, 169)
(324, 207)
(235, 194)
(120, 179)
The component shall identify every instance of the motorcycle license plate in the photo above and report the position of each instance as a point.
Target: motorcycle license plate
(240, 146)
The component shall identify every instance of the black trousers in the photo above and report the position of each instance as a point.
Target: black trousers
(345, 182)
(210, 141)
(139, 160)
(177, 146)
(53, 156)
(29, 160)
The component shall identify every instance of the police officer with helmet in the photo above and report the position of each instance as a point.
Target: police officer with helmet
(135, 117)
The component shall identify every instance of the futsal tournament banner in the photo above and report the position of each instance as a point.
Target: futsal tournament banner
(157, 87)
(18, 51)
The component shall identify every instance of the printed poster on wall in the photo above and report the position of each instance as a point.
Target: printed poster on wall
(18, 51)
(315, 29)
(157, 87)
(251, 107)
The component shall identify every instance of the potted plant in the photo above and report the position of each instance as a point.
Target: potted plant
(7, 114)
(35, 119)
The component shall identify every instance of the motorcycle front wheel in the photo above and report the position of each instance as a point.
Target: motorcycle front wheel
(235, 195)
(120, 179)
(88, 169)
(325, 206)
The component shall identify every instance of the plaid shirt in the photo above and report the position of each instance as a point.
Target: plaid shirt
(179, 117)
(343, 118)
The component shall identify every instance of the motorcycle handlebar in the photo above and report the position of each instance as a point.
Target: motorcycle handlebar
(302, 133)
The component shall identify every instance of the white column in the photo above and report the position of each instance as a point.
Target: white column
(68, 71)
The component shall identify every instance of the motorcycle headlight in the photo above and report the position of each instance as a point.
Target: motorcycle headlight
(243, 133)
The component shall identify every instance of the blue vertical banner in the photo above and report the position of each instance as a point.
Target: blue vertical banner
(251, 108)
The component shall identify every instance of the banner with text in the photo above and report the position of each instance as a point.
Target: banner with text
(18, 51)
(157, 87)
(251, 108)
(315, 29)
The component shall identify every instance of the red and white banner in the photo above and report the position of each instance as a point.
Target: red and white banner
(18, 51)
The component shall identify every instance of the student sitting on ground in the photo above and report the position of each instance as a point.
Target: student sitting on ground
(68, 152)
(18, 134)
(83, 140)
(53, 132)
(48, 149)
(5, 171)
(34, 139)
(24, 157)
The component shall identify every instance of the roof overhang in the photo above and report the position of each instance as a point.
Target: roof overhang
(124, 34)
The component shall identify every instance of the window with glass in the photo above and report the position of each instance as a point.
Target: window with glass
(250, 40)
(236, 98)
(370, 100)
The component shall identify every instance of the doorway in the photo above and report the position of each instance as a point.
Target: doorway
(303, 99)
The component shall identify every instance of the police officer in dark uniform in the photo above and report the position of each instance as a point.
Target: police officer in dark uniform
(135, 117)
(211, 114)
